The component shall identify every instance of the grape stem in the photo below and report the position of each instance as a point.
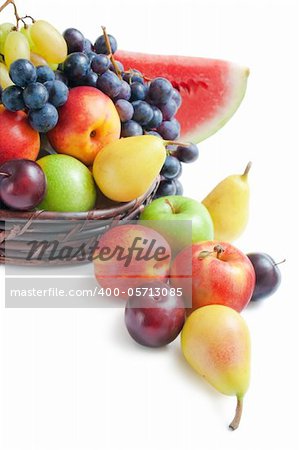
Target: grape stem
(133, 71)
(18, 18)
(181, 144)
(107, 42)
(8, 2)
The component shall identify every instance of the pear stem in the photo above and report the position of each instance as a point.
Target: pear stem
(236, 420)
(171, 206)
(248, 167)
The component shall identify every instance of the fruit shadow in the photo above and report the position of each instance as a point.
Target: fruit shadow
(183, 367)
(201, 387)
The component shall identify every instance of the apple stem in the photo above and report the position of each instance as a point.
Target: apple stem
(107, 41)
(280, 262)
(236, 420)
(218, 249)
(248, 167)
(171, 206)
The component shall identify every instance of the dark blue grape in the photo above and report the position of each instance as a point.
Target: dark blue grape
(171, 168)
(12, 98)
(74, 40)
(44, 119)
(91, 55)
(169, 130)
(187, 154)
(58, 92)
(169, 109)
(76, 66)
(44, 73)
(119, 66)
(101, 47)
(176, 96)
(143, 112)
(137, 78)
(131, 128)
(156, 120)
(125, 92)
(154, 133)
(100, 64)
(22, 72)
(138, 91)
(87, 46)
(91, 79)
(160, 91)
(179, 187)
(166, 187)
(133, 76)
(60, 76)
(35, 96)
(109, 83)
(125, 110)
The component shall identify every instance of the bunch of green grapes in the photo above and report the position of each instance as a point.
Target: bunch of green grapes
(38, 42)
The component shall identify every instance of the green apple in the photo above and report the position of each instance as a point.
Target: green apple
(167, 212)
(70, 185)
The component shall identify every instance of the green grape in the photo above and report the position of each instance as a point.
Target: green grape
(53, 66)
(5, 80)
(5, 28)
(16, 47)
(48, 42)
(37, 60)
(26, 33)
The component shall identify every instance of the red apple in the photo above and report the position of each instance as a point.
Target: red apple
(17, 139)
(87, 122)
(130, 255)
(221, 274)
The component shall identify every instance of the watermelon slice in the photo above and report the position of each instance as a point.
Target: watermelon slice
(212, 90)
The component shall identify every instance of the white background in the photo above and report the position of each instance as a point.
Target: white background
(73, 379)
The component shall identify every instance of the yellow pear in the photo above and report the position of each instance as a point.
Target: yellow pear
(216, 343)
(125, 169)
(228, 205)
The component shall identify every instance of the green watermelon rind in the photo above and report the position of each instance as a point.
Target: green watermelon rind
(239, 76)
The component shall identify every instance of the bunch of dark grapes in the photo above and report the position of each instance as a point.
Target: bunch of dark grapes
(144, 106)
(37, 91)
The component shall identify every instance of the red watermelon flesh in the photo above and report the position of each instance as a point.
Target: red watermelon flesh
(211, 89)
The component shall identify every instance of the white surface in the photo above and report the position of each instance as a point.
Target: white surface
(73, 379)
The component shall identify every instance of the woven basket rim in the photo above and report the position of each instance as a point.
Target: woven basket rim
(93, 214)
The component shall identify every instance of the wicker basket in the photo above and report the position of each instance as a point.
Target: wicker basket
(71, 230)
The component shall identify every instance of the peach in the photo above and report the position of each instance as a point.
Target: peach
(87, 122)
